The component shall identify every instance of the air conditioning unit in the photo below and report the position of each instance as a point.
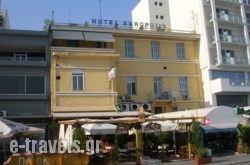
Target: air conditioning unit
(147, 106)
(120, 98)
(185, 96)
(3, 113)
(174, 94)
(128, 98)
(124, 107)
(134, 106)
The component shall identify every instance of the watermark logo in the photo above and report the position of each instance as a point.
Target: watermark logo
(55, 146)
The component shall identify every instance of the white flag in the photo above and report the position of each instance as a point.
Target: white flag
(111, 74)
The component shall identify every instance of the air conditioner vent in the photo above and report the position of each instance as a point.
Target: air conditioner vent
(3, 113)
(147, 106)
(124, 107)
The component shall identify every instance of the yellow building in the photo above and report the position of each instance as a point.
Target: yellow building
(95, 70)
(158, 70)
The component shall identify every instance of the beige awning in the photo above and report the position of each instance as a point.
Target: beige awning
(67, 35)
(94, 36)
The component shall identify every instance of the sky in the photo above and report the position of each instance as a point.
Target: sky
(30, 14)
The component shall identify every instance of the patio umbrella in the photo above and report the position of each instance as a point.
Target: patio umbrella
(9, 128)
(159, 126)
(99, 129)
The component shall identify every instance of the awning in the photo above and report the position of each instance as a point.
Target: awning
(220, 127)
(74, 115)
(67, 35)
(92, 36)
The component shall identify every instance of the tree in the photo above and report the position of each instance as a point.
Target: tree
(78, 134)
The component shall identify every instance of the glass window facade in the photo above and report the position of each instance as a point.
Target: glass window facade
(235, 78)
(22, 85)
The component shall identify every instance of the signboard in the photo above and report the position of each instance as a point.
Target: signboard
(126, 24)
(152, 127)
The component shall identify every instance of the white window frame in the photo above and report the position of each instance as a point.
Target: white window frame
(129, 48)
(155, 49)
(183, 85)
(78, 74)
(180, 50)
(131, 84)
(158, 86)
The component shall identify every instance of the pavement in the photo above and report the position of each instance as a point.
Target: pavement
(224, 159)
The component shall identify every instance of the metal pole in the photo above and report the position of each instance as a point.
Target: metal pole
(100, 9)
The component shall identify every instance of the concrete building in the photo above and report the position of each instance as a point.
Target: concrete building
(224, 46)
(25, 76)
(110, 72)
(4, 18)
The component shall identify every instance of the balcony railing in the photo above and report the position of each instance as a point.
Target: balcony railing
(243, 61)
(231, 1)
(232, 39)
(229, 18)
(225, 85)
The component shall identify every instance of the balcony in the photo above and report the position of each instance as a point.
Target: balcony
(236, 2)
(232, 39)
(224, 85)
(241, 61)
(235, 19)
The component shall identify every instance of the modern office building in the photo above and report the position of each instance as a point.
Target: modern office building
(25, 76)
(99, 72)
(224, 48)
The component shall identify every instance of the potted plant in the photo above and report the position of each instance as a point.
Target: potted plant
(202, 157)
(200, 153)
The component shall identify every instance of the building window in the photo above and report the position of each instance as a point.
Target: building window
(131, 86)
(157, 86)
(20, 56)
(129, 49)
(77, 78)
(155, 49)
(6, 56)
(35, 56)
(162, 17)
(73, 43)
(183, 85)
(22, 85)
(180, 50)
(160, 3)
(100, 44)
(156, 3)
(227, 56)
(235, 78)
(156, 16)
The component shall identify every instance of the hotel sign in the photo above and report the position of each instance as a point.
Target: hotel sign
(126, 24)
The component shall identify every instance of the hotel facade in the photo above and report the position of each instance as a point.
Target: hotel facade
(99, 72)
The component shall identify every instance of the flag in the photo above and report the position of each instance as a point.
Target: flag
(111, 74)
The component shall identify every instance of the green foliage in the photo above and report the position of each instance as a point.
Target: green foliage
(195, 136)
(78, 134)
(202, 152)
(160, 137)
(243, 133)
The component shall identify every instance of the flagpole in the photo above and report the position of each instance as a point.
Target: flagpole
(100, 9)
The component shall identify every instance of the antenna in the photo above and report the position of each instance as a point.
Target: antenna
(69, 9)
(100, 9)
